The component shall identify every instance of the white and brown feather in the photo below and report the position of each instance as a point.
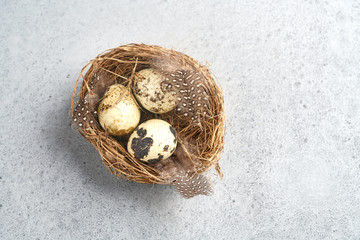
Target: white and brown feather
(192, 184)
(84, 114)
(188, 86)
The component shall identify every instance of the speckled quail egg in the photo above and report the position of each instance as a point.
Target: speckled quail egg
(152, 141)
(118, 112)
(151, 93)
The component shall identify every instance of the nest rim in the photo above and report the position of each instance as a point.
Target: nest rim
(128, 59)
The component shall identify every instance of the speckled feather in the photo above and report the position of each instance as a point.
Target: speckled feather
(188, 86)
(101, 81)
(84, 114)
(190, 185)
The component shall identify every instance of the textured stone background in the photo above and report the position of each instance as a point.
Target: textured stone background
(290, 71)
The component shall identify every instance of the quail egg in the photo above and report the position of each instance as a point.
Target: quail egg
(118, 112)
(149, 90)
(152, 141)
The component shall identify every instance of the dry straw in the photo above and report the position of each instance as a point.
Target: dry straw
(202, 141)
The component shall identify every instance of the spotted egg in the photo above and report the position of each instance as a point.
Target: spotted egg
(152, 91)
(118, 112)
(152, 141)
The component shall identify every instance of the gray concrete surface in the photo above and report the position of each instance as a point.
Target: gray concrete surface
(290, 71)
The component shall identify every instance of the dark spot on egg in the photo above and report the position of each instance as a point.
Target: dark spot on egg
(160, 157)
(157, 98)
(137, 89)
(166, 148)
(141, 147)
(141, 132)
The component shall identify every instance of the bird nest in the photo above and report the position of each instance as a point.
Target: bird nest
(198, 119)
